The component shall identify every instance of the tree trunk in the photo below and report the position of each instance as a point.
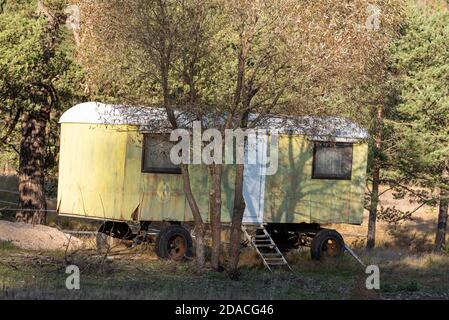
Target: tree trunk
(164, 69)
(32, 146)
(32, 167)
(199, 224)
(371, 241)
(215, 214)
(378, 118)
(440, 239)
(236, 226)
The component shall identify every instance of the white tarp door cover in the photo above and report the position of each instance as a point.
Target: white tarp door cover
(254, 179)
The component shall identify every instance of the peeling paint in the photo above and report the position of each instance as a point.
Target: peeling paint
(100, 177)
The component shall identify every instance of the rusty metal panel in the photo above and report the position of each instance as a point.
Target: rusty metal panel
(100, 177)
(199, 181)
(160, 196)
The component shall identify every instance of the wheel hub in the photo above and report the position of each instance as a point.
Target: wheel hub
(177, 247)
(331, 248)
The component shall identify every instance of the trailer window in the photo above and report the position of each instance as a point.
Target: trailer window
(332, 161)
(156, 154)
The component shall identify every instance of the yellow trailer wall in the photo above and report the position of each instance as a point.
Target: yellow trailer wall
(100, 177)
(292, 196)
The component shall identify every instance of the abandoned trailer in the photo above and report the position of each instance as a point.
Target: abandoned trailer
(115, 168)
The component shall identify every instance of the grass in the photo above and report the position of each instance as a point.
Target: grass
(7, 246)
(408, 271)
(137, 275)
(407, 286)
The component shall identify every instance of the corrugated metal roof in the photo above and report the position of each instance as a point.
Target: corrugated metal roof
(319, 128)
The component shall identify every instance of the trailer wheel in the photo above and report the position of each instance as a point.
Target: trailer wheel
(157, 244)
(327, 244)
(174, 243)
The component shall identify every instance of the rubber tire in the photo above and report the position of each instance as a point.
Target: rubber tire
(162, 239)
(319, 239)
(157, 244)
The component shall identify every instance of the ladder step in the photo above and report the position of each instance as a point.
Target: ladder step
(271, 255)
(264, 245)
(259, 241)
(274, 260)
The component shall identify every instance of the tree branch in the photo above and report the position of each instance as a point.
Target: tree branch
(11, 126)
(2, 4)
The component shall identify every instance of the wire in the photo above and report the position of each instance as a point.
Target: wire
(27, 210)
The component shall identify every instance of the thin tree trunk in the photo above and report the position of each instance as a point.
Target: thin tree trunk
(200, 230)
(371, 241)
(237, 214)
(32, 168)
(246, 40)
(199, 224)
(215, 214)
(440, 239)
(237, 217)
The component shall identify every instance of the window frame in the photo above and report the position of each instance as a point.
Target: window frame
(330, 177)
(155, 170)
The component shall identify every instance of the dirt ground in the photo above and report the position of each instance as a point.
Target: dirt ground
(37, 237)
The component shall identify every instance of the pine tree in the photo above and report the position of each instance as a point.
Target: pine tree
(421, 120)
(35, 85)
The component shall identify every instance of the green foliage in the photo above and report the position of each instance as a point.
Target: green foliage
(392, 215)
(21, 59)
(34, 74)
(421, 120)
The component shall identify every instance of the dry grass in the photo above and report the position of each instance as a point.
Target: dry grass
(416, 235)
(136, 273)
(140, 275)
(408, 270)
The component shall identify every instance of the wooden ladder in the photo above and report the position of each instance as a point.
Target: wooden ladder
(266, 248)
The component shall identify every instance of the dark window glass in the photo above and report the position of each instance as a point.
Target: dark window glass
(156, 154)
(332, 161)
